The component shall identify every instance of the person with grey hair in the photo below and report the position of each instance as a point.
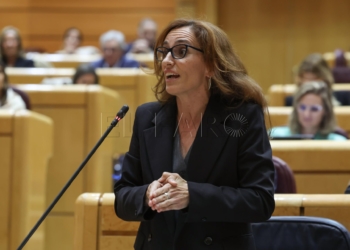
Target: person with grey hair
(113, 48)
(147, 32)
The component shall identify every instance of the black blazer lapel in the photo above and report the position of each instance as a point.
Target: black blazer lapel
(159, 146)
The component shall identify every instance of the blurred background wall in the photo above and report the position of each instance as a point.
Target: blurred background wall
(271, 36)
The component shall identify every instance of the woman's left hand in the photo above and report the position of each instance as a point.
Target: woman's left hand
(173, 195)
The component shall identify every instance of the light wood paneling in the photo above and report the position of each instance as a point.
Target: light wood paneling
(5, 162)
(273, 36)
(79, 114)
(105, 231)
(25, 148)
(42, 23)
(318, 166)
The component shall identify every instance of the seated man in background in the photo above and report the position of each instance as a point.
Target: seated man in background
(113, 51)
(11, 51)
(147, 32)
(312, 114)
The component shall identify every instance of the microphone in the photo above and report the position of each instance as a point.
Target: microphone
(117, 118)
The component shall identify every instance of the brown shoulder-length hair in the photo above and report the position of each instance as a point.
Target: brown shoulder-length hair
(328, 122)
(230, 79)
(20, 52)
(317, 65)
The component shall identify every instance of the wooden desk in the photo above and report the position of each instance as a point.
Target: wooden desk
(134, 85)
(279, 116)
(278, 92)
(81, 114)
(26, 145)
(98, 228)
(318, 166)
(73, 61)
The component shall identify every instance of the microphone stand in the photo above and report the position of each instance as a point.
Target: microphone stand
(118, 117)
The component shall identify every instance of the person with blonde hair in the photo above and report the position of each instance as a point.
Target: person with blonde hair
(11, 50)
(199, 168)
(312, 114)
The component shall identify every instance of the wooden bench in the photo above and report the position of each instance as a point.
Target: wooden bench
(277, 93)
(73, 61)
(134, 85)
(279, 116)
(318, 166)
(98, 228)
(26, 145)
(81, 114)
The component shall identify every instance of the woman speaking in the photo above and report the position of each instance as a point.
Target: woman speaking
(199, 168)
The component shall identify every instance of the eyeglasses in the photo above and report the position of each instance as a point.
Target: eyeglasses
(177, 52)
(312, 108)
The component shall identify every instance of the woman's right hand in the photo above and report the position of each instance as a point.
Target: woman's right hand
(150, 190)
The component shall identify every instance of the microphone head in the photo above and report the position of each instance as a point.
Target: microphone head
(123, 111)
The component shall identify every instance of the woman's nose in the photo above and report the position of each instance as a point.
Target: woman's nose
(168, 59)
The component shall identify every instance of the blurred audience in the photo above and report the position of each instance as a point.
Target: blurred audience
(11, 50)
(113, 49)
(341, 71)
(147, 32)
(314, 68)
(84, 74)
(312, 114)
(9, 99)
(72, 39)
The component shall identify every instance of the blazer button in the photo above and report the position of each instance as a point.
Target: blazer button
(149, 237)
(204, 219)
(208, 241)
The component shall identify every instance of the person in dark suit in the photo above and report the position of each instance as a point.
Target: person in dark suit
(11, 50)
(199, 168)
(113, 48)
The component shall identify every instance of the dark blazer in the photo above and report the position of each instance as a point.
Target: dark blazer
(23, 63)
(230, 178)
(124, 62)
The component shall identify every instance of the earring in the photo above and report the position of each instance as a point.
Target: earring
(209, 83)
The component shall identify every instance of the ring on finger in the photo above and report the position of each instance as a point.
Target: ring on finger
(167, 195)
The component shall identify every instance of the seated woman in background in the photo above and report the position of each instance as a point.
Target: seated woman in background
(314, 68)
(72, 39)
(8, 98)
(11, 50)
(312, 114)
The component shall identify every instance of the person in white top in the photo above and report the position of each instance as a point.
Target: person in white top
(9, 99)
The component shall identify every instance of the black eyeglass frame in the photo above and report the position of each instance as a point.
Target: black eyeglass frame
(171, 51)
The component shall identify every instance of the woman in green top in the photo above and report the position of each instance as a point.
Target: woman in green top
(312, 114)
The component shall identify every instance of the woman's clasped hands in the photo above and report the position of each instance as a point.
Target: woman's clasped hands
(169, 192)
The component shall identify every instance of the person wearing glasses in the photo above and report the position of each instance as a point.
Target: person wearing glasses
(113, 48)
(199, 168)
(312, 114)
